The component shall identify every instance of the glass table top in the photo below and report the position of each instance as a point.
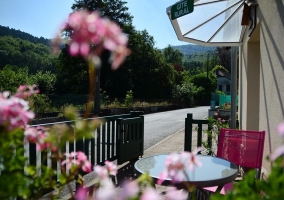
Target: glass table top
(214, 171)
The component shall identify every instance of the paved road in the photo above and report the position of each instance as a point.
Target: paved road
(158, 126)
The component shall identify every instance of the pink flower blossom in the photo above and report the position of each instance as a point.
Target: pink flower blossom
(77, 158)
(277, 152)
(176, 164)
(174, 194)
(129, 190)
(38, 135)
(174, 168)
(150, 194)
(14, 112)
(111, 167)
(25, 91)
(101, 172)
(106, 191)
(70, 160)
(90, 35)
(81, 193)
(192, 160)
(280, 129)
(280, 150)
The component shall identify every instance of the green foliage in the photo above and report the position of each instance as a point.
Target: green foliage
(208, 84)
(226, 106)
(148, 74)
(172, 55)
(11, 77)
(185, 92)
(213, 131)
(224, 57)
(21, 53)
(219, 92)
(128, 99)
(72, 74)
(6, 31)
(45, 81)
(40, 104)
(114, 10)
(219, 67)
(192, 48)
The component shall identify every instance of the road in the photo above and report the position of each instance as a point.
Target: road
(158, 126)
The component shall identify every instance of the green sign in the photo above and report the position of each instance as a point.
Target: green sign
(181, 8)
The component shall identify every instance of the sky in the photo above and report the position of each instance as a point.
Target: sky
(44, 17)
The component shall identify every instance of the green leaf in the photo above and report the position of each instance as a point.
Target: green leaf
(30, 170)
(62, 179)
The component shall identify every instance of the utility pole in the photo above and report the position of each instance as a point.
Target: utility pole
(97, 79)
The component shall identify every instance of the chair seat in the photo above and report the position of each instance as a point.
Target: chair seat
(227, 187)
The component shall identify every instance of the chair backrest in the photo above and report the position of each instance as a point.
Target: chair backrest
(242, 147)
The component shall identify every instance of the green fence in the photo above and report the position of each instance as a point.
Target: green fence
(227, 99)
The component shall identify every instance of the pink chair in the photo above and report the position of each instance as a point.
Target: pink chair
(242, 147)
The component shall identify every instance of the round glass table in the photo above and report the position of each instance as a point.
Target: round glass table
(213, 172)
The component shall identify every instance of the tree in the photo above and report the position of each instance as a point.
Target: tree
(173, 56)
(45, 81)
(219, 67)
(12, 76)
(224, 57)
(208, 84)
(72, 74)
(149, 75)
(113, 9)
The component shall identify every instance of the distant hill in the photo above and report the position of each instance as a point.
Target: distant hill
(6, 31)
(21, 49)
(193, 49)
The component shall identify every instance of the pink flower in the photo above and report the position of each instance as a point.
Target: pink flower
(277, 152)
(129, 190)
(176, 164)
(111, 168)
(106, 191)
(193, 160)
(280, 129)
(87, 166)
(174, 168)
(150, 194)
(90, 35)
(70, 160)
(101, 172)
(280, 150)
(25, 91)
(81, 193)
(38, 135)
(77, 158)
(14, 112)
(174, 194)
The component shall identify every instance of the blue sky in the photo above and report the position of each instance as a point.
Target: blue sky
(43, 17)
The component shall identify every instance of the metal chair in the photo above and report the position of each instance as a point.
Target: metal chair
(242, 147)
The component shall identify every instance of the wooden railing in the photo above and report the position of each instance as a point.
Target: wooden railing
(98, 149)
(188, 132)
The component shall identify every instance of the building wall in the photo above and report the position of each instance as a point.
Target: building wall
(224, 82)
(263, 60)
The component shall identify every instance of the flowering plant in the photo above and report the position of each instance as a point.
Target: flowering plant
(89, 35)
(28, 184)
(213, 131)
